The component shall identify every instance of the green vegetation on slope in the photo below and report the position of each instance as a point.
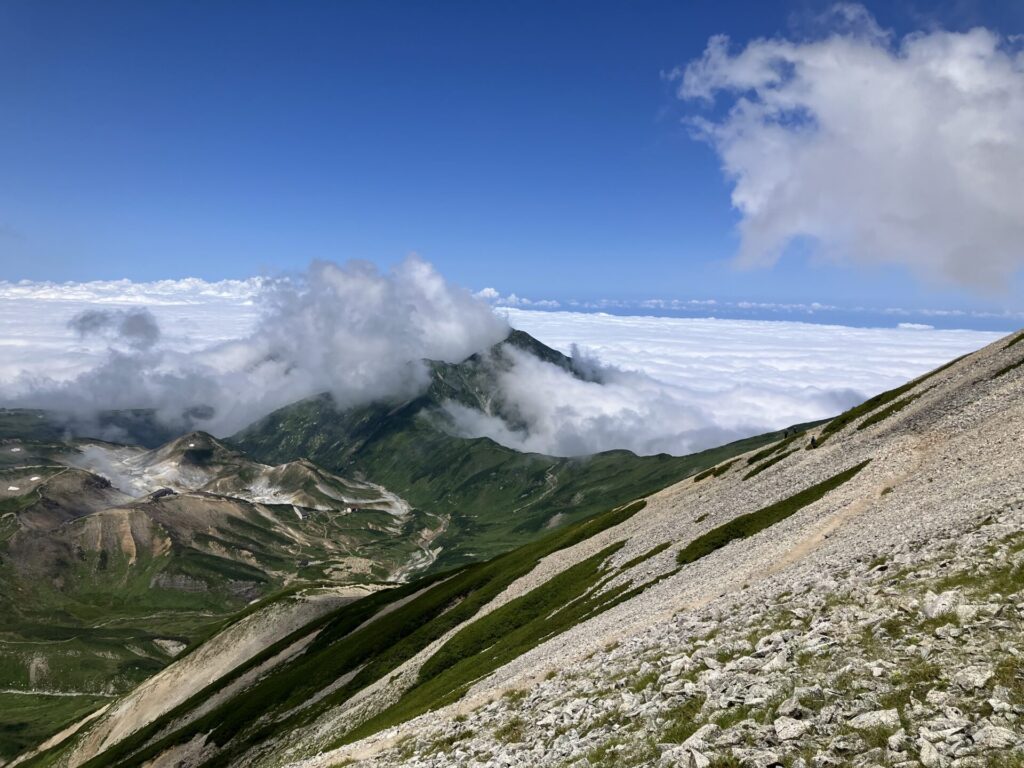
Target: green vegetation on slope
(29, 719)
(716, 471)
(280, 702)
(497, 638)
(888, 411)
(869, 405)
(770, 462)
(744, 526)
(571, 597)
(1006, 369)
(773, 449)
(494, 497)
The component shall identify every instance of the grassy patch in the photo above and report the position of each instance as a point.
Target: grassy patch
(885, 413)
(877, 738)
(623, 752)
(511, 732)
(1009, 673)
(912, 679)
(1015, 340)
(645, 556)
(717, 471)
(771, 462)
(1008, 368)
(727, 718)
(683, 721)
(1005, 579)
(858, 411)
(27, 720)
(747, 525)
(1009, 759)
(644, 681)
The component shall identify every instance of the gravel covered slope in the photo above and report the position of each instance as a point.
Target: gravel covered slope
(879, 625)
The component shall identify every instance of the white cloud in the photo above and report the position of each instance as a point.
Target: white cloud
(875, 150)
(675, 384)
(915, 326)
(493, 297)
(629, 409)
(346, 329)
(683, 384)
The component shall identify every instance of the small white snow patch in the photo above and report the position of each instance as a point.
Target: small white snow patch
(191, 445)
(13, 488)
(15, 450)
(170, 647)
(34, 478)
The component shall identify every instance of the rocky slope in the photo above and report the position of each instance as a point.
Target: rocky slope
(880, 625)
(851, 595)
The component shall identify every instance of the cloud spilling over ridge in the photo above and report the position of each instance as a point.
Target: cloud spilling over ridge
(665, 384)
(344, 329)
(873, 149)
(683, 384)
(614, 408)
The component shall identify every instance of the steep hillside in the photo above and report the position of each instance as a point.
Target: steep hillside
(847, 596)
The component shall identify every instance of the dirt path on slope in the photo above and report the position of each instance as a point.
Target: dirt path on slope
(815, 538)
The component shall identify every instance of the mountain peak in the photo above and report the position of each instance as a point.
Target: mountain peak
(195, 447)
(527, 343)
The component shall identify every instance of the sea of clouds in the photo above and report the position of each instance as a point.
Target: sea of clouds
(240, 349)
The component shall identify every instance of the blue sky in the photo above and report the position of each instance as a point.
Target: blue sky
(532, 146)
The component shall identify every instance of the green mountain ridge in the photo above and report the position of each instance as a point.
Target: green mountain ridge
(495, 497)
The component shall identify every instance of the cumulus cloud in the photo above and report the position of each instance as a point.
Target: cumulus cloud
(344, 329)
(871, 148)
(494, 298)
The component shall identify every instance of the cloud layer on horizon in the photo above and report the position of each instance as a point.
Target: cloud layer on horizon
(344, 329)
(872, 149)
(668, 384)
